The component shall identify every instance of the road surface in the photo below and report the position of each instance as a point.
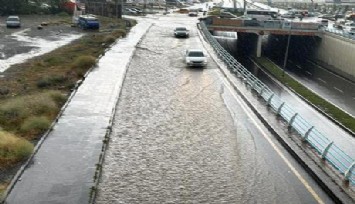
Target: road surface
(182, 135)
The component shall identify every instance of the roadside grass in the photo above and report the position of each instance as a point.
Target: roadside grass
(13, 149)
(32, 93)
(16, 113)
(345, 119)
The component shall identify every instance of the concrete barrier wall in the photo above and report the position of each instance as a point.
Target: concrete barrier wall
(338, 53)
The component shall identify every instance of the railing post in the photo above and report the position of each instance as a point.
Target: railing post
(280, 107)
(307, 134)
(269, 100)
(326, 149)
(348, 171)
(261, 91)
(292, 120)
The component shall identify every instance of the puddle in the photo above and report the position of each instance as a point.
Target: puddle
(39, 46)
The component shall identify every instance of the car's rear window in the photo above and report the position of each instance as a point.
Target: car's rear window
(196, 54)
(180, 28)
(12, 19)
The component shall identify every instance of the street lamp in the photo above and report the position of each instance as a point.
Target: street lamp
(286, 54)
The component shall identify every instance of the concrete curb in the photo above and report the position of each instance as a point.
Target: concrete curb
(323, 181)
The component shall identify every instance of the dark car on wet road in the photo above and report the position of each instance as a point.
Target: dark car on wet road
(181, 32)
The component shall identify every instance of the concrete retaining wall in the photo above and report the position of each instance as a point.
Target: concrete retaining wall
(338, 53)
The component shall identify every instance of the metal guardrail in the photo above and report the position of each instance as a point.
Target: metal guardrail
(341, 33)
(325, 148)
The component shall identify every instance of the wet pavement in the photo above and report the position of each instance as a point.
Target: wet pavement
(63, 169)
(182, 135)
(337, 90)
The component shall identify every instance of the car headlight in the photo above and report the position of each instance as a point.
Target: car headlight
(188, 61)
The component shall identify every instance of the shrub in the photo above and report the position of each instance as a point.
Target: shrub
(119, 32)
(53, 60)
(58, 97)
(51, 81)
(13, 112)
(41, 104)
(13, 148)
(43, 83)
(35, 125)
(109, 39)
(83, 62)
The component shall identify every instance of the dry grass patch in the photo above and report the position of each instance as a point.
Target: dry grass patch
(13, 149)
(34, 126)
(15, 111)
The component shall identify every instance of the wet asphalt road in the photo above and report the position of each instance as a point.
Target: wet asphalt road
(181, 135)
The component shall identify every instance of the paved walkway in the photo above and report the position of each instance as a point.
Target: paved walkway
(62, 170)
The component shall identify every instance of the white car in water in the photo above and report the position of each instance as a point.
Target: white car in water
(350, 28)
(13, 22)
(195, 58)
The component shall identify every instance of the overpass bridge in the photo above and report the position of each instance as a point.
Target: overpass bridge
(260, 28)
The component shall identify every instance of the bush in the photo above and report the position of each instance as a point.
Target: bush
(35, 126)
(13, 148)
(119, 32)
(109, 39)
(53, 60)
(13, 112)
(82, 64)
(58, 97)
(51, 81)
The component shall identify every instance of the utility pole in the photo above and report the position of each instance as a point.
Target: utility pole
(245, 6)
(286, 54)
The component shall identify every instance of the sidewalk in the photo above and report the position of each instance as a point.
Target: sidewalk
(63, 169)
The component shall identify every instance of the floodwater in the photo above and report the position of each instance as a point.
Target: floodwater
(19, 46)
(180, 135)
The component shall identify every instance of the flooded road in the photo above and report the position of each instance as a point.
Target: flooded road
(181, 135)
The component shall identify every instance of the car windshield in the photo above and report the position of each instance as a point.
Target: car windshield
(195, 54)
(180, 28)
